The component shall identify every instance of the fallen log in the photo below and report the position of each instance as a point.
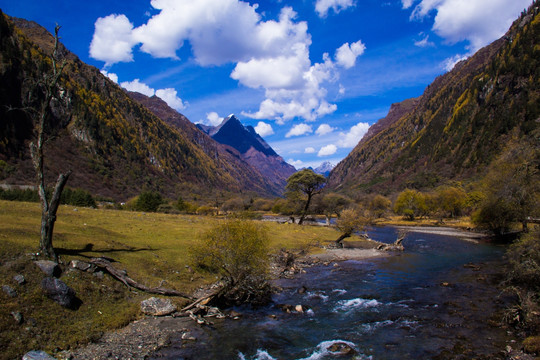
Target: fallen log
(121, 275)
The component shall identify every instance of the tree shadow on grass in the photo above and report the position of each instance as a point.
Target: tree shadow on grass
(89, 248)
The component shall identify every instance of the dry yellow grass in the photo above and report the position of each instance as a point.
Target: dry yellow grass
(151, 247)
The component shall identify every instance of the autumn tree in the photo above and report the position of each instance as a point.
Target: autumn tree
(410, 203)
(309, 183)
(379, 205)
(331, 204)
(511, 190)
(450, 200)
(43, 94)
(350, 221)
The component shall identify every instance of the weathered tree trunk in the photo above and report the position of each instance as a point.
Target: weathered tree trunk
(341, 238)
(48, 208)
(306, 207)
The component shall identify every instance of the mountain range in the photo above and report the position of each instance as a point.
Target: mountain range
(117, 143)
(459, 125)
(252, 148)
(120, 143)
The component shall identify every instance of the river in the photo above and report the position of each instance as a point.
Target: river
(436, 300)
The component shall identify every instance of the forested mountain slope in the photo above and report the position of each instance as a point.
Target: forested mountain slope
(464, 119)
(115, 146)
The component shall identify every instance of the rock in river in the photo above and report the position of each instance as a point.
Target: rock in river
(157, 306)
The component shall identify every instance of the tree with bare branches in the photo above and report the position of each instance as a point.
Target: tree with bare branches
(43, 92)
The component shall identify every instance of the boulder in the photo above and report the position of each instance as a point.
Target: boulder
(49, 268)
(19, 279)
(157, 306)
(82, 266)
(37, 355)
(9, 291)
(58, 291)
(341, 349)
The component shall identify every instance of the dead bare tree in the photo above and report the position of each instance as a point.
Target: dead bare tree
(46, 91)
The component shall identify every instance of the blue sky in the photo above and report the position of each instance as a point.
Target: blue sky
(310, 75)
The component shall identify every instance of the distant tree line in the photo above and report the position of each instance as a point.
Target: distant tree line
(75, 197)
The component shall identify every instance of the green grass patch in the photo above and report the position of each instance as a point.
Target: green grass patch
(153, 248)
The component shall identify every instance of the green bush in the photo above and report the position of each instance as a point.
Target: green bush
(238, 251)
(148, 201)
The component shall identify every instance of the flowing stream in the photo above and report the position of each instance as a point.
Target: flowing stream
(435, 300)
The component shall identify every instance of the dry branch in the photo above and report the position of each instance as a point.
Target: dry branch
(122, 276)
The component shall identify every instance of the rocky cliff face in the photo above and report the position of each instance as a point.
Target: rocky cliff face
(463, 120)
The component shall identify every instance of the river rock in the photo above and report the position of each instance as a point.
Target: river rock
(37, 355)
(157, 306)
(341, 349)
(58, 291)
(19, 279)
(49, 268)
(82, 266)
(9, 291)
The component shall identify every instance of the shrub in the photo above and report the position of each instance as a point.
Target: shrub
(148, 201)
(238, 251)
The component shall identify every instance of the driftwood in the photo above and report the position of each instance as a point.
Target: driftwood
(122, 276)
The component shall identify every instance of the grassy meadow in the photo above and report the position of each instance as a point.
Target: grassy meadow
(153, 248)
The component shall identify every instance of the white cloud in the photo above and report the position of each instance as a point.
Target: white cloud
(477, 21)
(324, 129)
(111, 76)
(346, 55)
(274, 57)
(170, 96)
(449, 63)
(299, 129)
(112, 40)
(424, 42)
(327, 150)
(322, 6)
(137, 86)
(351, 138)
(406, 3)
(309, 150)
(213, 118)
(295, 163)
(264, 129)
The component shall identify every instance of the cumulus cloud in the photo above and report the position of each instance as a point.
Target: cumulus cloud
(346, 55)
(299, 129)
(295, 163)
(322, 6)
(113, 40)
(449, 63)
(169, 95)
(110, 75)
(406, 3)
(264, 129)
(137, 86)
(309, 150)
(274, 57)
(354, 135)
(324, 129)
(213, 118)
(327, 150)
(477, 21)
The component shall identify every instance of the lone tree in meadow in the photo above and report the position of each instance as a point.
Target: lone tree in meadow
(44, 93)
(308, 182)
